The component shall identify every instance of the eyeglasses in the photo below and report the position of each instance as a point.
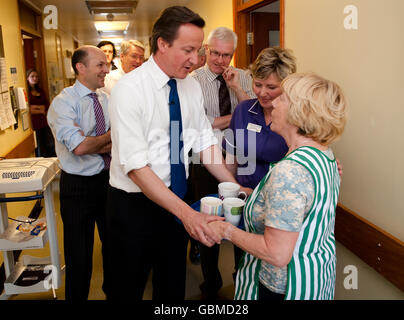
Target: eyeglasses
(137, 57)
(216, 54)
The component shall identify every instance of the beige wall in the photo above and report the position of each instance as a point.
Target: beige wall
(216, 13)
(52, 60)
(9, 21)
(368, 64)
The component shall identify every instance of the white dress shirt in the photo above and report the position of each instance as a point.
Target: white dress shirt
(111, 79)
(140, 123)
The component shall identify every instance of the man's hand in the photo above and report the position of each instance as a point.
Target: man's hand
(339, 166)
(232, 78)
(81, 131)
(198, 228)
(248, 191)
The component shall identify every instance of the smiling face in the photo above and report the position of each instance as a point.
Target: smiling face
(177, 59)
(219, 55)
(93, 70)
(267, 90)
(280, 114)
(132, 59)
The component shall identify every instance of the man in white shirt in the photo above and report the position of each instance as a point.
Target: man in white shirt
(131, 57)
(147, 217)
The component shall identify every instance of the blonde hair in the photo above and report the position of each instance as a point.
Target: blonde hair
(274, 60)
(125, 45)
(317, 107)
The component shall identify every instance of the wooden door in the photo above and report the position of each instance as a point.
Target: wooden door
(263, 23)
(242, 19)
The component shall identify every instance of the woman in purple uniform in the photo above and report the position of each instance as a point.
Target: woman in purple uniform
(249, 142)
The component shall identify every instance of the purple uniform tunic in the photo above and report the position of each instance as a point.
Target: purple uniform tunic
(253, 142)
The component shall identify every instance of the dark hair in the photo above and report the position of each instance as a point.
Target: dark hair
(79, 56)
(105, 43)
(36, 86)
(168, 23)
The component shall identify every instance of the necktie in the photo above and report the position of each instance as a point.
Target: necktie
(100, 126)
(224, 97)
(178, 176)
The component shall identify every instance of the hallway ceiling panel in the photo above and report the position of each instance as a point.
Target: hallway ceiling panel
(75, 18)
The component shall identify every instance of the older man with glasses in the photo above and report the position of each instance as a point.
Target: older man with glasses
(223, 88)
(131, 56)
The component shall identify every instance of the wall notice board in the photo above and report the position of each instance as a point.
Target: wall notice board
(7, 118)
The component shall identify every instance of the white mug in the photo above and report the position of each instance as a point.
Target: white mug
(230, 190)
(211, 206)
(233, 210)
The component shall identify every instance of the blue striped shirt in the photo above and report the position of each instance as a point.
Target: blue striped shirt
(70, 112)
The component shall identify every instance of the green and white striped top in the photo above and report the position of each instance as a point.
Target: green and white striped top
(311, 272)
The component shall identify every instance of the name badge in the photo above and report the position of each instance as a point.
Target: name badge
(254, 127)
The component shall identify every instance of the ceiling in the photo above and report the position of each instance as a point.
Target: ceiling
(75, 18)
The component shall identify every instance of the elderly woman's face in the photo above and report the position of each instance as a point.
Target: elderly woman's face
(280, 114)
(267, 90)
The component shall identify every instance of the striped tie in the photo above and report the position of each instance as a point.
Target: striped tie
(224, 97)
(100, 126)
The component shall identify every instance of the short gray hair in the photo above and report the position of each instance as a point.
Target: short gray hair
(125, 45)
(224, 34)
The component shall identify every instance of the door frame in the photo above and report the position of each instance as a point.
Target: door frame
(39, 44)
(242, 25)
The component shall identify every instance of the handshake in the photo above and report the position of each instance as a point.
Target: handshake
(219, 216)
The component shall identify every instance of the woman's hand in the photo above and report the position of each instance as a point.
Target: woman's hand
(198, 225)
(37, 109)
(222, 228)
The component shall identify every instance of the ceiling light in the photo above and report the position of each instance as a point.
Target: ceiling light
(111, 25)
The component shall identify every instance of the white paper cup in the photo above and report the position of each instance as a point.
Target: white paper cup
(230, 190)
(211, 206)
(233, 210)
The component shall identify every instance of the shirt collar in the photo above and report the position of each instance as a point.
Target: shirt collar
(81, 89)
(158, 75)
(256, 109)
(211, 76)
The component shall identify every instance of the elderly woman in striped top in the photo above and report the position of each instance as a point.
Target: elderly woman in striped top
(290, 216)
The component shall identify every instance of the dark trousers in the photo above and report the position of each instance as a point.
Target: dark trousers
(82, 205)
(144, 237)
(202, 184)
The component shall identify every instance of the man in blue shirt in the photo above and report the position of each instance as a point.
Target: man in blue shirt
(79, 120)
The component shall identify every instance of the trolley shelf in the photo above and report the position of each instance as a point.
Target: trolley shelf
(13, 239)
(34, 279)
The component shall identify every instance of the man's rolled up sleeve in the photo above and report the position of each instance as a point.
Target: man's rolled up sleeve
(62, 118)
(127, 129)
